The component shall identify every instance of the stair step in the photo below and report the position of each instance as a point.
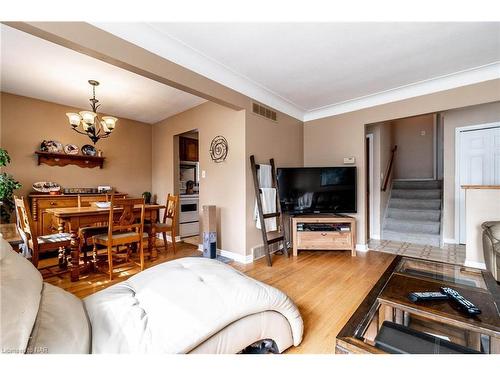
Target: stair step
(417, 184)
(415, 238)
(425, 204)
(412, 226)
(416, 193)
(405, 214)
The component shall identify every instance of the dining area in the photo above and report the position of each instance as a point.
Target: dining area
(82, 234)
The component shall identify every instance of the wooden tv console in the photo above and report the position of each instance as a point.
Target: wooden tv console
(330, 239)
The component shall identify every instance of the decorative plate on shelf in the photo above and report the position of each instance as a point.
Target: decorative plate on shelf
(46, 187)
(52, 146)
(71, 149)
(89, 150)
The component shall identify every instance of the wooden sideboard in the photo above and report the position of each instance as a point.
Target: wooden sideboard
(39, 203)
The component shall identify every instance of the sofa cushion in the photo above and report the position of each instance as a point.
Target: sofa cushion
(61, 326)
(19, 299)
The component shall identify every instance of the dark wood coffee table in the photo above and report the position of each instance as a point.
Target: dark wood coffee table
(388, 301)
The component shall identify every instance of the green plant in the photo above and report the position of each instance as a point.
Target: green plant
(147, 197)
(7, 186)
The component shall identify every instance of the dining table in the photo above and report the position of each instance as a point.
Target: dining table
(71, 219)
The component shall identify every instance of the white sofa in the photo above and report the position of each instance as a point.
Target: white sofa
(190, 305)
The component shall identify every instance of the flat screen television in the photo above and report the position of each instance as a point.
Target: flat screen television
(317, 190)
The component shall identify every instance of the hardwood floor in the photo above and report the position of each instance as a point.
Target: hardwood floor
(327, 286)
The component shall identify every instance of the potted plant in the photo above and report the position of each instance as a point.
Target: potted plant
(147, 197)
(7, 187)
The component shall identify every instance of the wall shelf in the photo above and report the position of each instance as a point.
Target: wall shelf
(61, 160)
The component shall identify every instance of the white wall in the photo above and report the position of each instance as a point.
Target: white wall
(480, 205)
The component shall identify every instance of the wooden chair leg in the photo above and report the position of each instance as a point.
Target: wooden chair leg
(34, 258)
(173, 239)
(110, 262)
(165, 242)
(141, 253)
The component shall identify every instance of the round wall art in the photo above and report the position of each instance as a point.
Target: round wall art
(219, 149)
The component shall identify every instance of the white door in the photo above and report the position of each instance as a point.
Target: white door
(479, 153)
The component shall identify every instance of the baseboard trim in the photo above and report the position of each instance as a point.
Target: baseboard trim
(362, 247)
(244, 259)
(375, 237)
(473, 264)
(450, 240)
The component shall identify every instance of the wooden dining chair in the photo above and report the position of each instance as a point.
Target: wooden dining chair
(38, 244)
(86, 234)
(125, 230)
(168, 224)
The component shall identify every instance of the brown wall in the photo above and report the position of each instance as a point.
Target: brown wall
(282, 140)
(473, 115)
(328, 140)
(25, 122)
(224, 184)
(415, 154)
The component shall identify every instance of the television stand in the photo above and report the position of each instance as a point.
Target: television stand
(324, 232)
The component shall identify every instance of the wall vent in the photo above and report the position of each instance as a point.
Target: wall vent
(268, 113)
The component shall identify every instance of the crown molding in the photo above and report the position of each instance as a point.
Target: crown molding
(164, 45)
(147, 36)
(429, 86)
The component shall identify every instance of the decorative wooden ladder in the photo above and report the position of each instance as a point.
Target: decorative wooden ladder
(269, 237)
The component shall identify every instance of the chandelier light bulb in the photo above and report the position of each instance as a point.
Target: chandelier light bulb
(109, 123)
(88, 117)
(74, 119)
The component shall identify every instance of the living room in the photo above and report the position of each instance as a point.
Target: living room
(281, 176)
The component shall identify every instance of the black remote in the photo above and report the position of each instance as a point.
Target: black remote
(427, 296)
(464, 304)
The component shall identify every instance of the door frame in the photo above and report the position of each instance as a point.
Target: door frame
(370, 206)
(458, 132)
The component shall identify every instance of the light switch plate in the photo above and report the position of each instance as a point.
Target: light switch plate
(350, 160)
(203, 174)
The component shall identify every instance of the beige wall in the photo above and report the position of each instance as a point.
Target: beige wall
(473, 115)
(224, 184)
(415, 153)
(282, 140)
(26, 122)
(328, 140)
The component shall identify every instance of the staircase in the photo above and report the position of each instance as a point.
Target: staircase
(414, 212)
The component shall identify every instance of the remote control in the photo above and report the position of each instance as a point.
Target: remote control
(427, 296)
(466, 305)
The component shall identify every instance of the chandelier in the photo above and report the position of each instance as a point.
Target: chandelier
(90, 123)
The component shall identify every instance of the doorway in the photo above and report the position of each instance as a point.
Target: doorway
(188, 185)
(477, 151)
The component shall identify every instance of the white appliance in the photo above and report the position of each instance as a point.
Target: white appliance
(189, 224)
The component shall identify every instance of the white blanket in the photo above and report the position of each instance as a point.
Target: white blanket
(268, 199)
(175, 306)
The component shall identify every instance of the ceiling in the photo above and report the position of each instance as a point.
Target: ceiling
(36, 68)
(313, 70)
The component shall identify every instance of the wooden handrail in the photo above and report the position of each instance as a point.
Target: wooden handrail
(389, 169)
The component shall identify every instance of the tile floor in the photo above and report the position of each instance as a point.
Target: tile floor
(449, 253)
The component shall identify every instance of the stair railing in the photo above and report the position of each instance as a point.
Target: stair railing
(388, 171)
